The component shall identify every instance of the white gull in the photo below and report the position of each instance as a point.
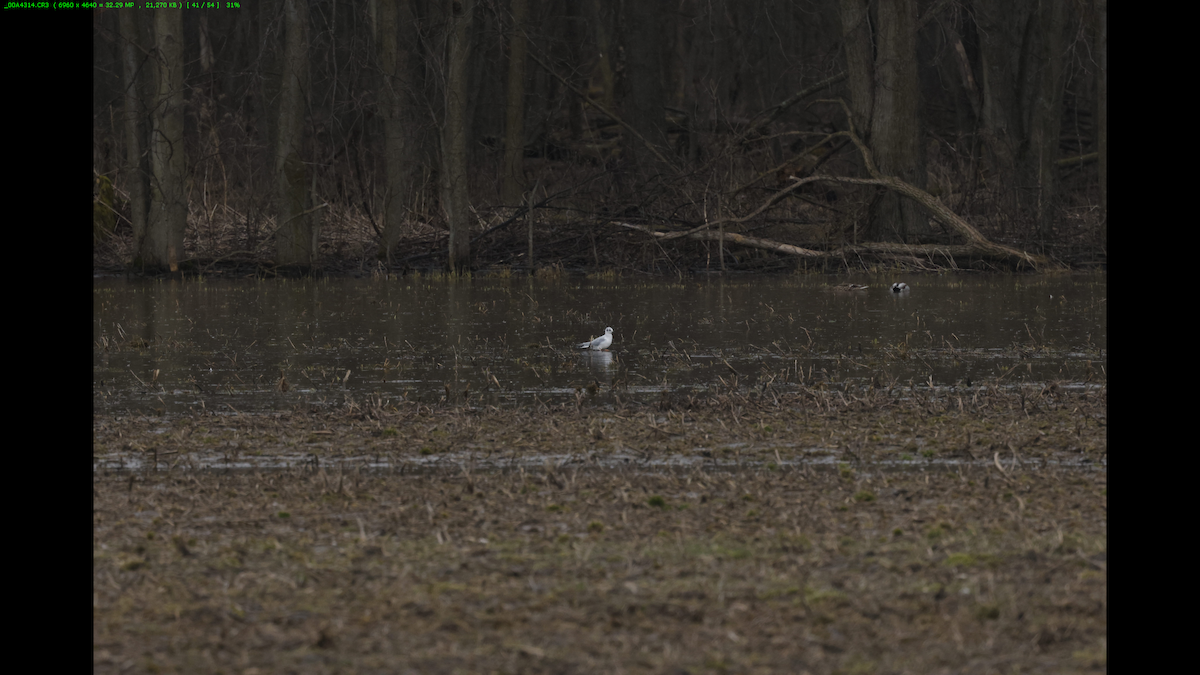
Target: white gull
(601, 342)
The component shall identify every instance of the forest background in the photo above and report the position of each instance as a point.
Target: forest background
(292, 136)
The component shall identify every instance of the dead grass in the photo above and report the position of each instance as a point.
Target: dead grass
(754, 558)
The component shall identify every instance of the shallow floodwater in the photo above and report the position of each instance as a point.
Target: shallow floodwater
(253, 346)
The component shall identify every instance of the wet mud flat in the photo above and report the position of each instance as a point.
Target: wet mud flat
(845, 534)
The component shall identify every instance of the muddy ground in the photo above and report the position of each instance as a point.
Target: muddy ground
(809, 533)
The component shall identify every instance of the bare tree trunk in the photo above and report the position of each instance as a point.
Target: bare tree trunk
(395, 40)
(644, 105)
(163, 245)
(1003, 29)
(135, 140)
(1102, 113)
(296, 236)
(573, 28)
(605, 63)
(268, 94)
(860, 63)
(881, 64)
(895, 137)
(683, 95)
(456, 198)
(514, 117)
(529, 225)
(1046, 122)
(207, 96)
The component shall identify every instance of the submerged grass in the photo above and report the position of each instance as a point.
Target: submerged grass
(756, 427)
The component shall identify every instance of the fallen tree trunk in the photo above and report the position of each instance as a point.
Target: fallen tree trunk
(752, 242)
(977, 244)
(881, 249)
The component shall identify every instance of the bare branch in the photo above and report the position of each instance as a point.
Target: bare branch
(977, 243)
(596, 104)
(779, 108)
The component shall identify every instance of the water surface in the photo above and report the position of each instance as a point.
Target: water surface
(254, 346)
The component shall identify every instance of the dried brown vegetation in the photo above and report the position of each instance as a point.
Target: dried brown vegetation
(820, 533)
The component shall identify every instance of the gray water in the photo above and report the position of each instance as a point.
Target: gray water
(223, 345)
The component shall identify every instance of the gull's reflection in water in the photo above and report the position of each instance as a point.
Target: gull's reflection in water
(601, 364)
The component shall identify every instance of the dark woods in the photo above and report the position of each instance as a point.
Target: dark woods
(294, 135)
